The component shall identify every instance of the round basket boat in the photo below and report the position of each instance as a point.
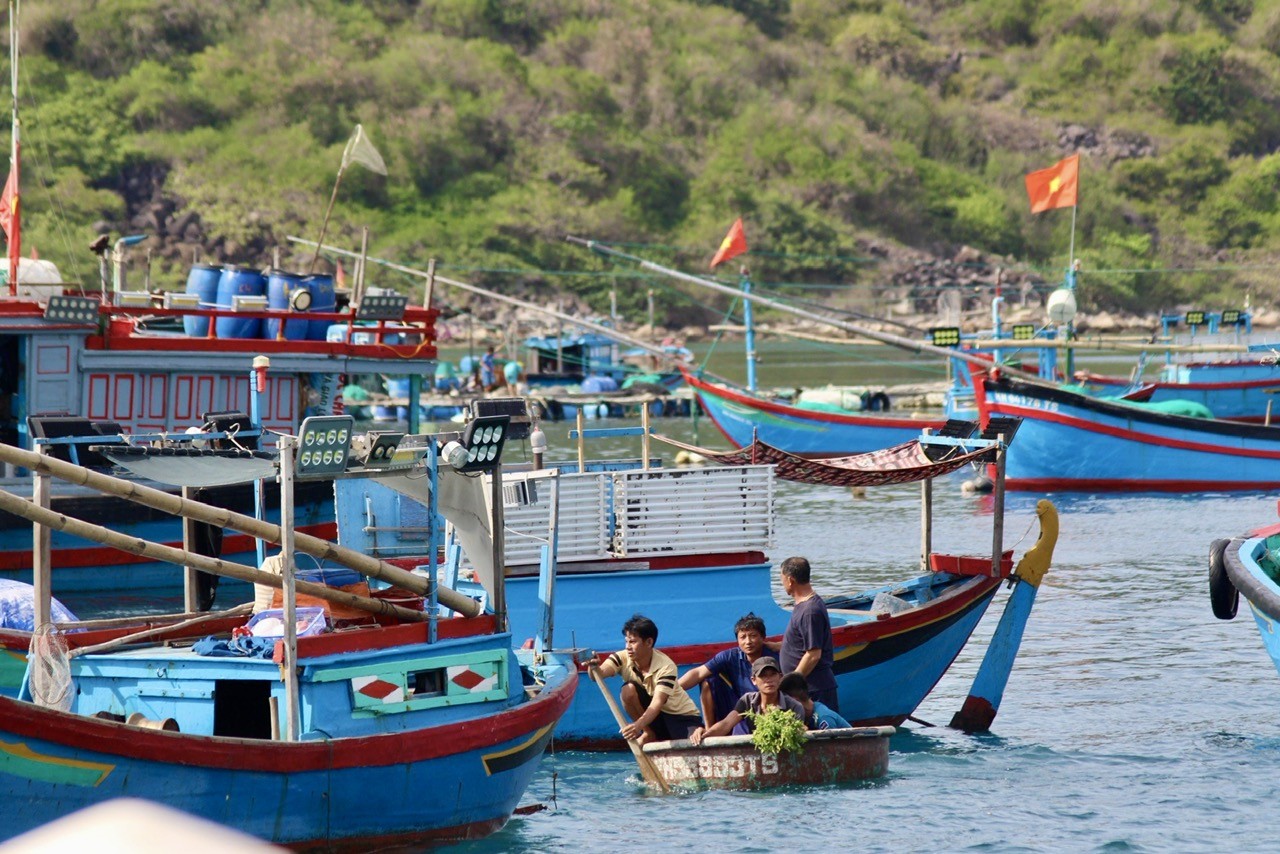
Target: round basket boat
(733, 762)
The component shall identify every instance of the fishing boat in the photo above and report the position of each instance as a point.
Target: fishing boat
(1073, 442)
(688, 547)
(121, 361)
(401, 729)
(829, 756)
(1237, 383)
(743, 417)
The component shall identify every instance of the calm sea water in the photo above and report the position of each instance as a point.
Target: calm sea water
(1133, 720)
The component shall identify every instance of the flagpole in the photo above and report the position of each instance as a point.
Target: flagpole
(1071, 253)
(13, 149)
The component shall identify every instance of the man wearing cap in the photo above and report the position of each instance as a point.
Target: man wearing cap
(766, 676)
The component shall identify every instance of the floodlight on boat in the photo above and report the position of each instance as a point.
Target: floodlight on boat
(300, 299)
(483, 440)
(945, 336)
(1024, 331)
(248, 302)
(382, 449)
(324, 444)
(1232, 317)
(382, 307)
(181, 301)
(66, 309)
(134, 299)
(1195, 318)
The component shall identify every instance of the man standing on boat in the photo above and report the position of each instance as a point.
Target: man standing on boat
(488, 370)
(727, 675)
(659, 708)
(806, 644)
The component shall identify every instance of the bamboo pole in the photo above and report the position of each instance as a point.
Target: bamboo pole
(223, 518)
(29, 510)
(648, 770)
(152, 631)
(1104, 345)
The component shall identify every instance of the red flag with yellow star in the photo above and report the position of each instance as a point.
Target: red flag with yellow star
(734, 244)
(1056, 186)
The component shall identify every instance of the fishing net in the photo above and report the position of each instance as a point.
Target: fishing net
(49, 669)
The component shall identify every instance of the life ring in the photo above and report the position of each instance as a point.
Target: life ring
(1223, 595)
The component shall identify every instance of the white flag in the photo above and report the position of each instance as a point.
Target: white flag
(360, 150)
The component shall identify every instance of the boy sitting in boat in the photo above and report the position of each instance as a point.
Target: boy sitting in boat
(766, 676)
(816, 715)
(727, 675)
(659, 708)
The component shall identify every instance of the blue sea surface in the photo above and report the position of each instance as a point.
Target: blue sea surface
(1133, 720)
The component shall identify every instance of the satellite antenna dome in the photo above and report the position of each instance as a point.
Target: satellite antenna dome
(1062, 306)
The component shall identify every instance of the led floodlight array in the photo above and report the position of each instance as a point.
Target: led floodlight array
(324, 444)
(72, 309)
(381, 307)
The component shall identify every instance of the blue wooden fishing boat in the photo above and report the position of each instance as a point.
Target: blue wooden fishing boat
(1070, 441)
(403, 728)
(1249, 566)
(687, 547)
(743, 417)
(1235, 386)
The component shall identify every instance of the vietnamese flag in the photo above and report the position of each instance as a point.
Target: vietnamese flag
(734, 244)
(1056, 186)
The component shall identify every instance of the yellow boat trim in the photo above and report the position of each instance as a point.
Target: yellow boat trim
(524, 745)
(23, 761)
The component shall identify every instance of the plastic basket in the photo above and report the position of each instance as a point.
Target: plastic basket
(270, 623)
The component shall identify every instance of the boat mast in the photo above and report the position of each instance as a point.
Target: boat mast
(13, 146)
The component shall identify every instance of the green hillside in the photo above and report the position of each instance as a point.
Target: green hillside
(844, 132)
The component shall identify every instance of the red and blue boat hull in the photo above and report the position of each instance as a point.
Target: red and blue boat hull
(449, 782)
(743, 418)
(1072, 442)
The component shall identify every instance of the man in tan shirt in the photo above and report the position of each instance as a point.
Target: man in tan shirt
(659, 708)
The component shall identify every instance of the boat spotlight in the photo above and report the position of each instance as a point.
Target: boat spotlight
(324, 443)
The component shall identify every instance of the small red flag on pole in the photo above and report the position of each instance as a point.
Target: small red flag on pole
(734, 244)
(1056, 186)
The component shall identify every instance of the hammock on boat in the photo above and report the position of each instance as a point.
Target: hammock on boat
(906, 463)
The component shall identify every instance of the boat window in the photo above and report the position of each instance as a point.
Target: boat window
(426, 683)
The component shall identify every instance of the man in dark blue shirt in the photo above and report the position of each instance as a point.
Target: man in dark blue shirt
(727, 675)
(806, 644)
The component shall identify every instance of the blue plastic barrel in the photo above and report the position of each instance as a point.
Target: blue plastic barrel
(202, 281)
(236, 281)
(323, 299)
(399, 387)
(280, 287)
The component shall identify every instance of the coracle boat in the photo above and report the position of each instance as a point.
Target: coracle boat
(829, 756)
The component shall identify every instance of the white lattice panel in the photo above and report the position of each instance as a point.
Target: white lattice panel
(584, 520)
(692, 511)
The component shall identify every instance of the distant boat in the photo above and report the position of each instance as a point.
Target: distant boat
(1073, 442)
(1232, 385)
(743, 418)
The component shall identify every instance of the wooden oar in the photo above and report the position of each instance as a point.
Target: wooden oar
(648, 770)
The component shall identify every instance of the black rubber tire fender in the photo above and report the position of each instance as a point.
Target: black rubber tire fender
(1223, 595)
